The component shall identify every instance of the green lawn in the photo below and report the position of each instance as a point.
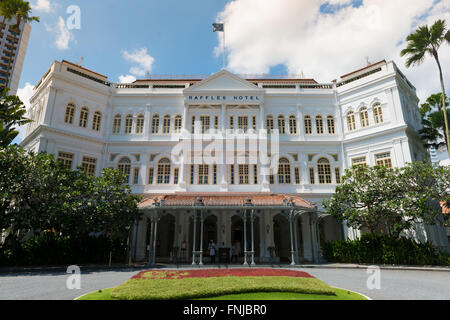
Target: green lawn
(340, 295)
(229, 287)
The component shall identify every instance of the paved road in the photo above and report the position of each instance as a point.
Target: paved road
(395, 284)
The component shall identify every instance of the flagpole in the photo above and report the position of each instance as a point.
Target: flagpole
(223, 58)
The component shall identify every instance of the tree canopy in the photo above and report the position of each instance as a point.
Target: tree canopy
(390, 201)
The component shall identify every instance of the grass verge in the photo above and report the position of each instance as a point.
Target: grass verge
(192, 288)
(340, 294)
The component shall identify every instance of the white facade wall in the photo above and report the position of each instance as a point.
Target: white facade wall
(396, 134)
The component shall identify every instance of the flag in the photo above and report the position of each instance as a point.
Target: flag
(217, 27)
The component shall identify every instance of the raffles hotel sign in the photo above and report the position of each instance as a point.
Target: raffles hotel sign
(224, 98)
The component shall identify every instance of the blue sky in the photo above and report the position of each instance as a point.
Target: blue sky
(177, 34)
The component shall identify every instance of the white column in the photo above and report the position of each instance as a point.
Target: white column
(147, 121)
(261, 116)
(300, 123)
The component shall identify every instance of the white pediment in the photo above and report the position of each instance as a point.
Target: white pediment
(223, 81)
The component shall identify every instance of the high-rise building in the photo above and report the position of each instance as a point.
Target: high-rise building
(13, 48)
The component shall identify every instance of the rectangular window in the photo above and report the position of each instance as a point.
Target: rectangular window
(311, 176)
(243, 123)
(254, 123)
(231, 122)
(271, 179)
(383, 159)
(205, 123)
(255, 174)
(150, 175)
(297, 175)
(359, 161)
(193, 124)
(337, 173)
(216, 123)
(243, 174)
(215, 174)
(175, 175)
(192, 173)
(88, 164)
(203, 174)
(232, 174)
(136, 176)
(66, 159)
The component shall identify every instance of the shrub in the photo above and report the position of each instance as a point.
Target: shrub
(49, 249)
(382, 249)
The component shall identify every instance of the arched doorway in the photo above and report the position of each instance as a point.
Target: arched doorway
(209, 232)
(281, 237)
(237, 235)
(165, 236)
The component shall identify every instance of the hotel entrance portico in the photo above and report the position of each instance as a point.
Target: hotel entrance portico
(266, 228)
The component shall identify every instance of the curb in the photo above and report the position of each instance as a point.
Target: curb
(362, 294)
(88, 268)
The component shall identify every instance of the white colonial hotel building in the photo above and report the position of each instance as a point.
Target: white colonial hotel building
(367, 116)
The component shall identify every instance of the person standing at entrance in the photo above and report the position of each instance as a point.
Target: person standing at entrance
(233, 253)
(212, 251)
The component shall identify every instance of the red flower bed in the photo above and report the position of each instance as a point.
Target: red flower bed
(207, 273)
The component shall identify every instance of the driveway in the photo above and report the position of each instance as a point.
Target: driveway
(394, 284)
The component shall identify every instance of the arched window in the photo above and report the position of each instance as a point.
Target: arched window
(308, 125)
(292, 125)
(117, 123)
(96, 121)
(155, 124)
(177, 123)
(319, 124)
(128, 124)
(281, 124)
(284, 171)
(351, 121)
(84, 114)
(163, 174)
(377, 113)
(124, 166)
(70, 111)
(140, 124)
(166, 124)
(269, 123)
(364, 117)
(330, 125)
(324, 171)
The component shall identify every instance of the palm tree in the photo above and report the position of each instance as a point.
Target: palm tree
(20, 10)
(428, 40)
(433, 121)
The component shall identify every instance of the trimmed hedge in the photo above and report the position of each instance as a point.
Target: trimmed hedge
(382, 249)
(48, 249)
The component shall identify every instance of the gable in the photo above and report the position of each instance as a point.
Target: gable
(223, 80)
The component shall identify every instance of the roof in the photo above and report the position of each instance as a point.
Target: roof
(85, 69)
(366, 67)
(227, 199)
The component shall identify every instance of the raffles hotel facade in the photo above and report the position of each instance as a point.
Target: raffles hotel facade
(369, 116)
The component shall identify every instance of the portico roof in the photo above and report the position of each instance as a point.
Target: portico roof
(225, 200)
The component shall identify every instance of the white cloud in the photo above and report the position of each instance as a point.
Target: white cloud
(63, 35)
(261, 34)
(24, 94)
(127, 79)
(143, 60)
(42, 6)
